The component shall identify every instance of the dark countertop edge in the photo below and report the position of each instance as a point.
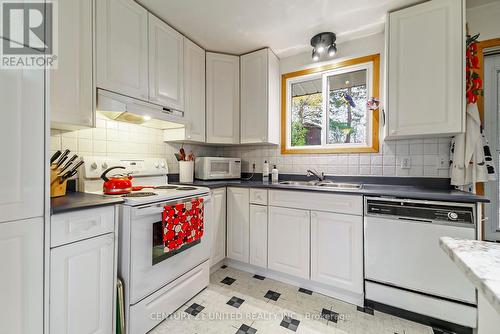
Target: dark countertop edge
(410, 192)
(74, 201)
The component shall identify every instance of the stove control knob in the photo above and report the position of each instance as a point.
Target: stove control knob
(157, 165)
(452, 215)
(93, 166)
(104, 165)
(162, 165)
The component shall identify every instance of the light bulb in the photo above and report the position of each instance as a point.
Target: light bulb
(146, 118)
(332, 50)
(320, 49)
(315, 55)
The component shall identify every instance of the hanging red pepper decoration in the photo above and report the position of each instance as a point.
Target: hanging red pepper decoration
(474, 82)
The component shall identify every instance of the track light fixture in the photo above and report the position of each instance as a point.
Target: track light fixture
(322, 42)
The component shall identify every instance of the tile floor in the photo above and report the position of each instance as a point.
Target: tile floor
(242, 303)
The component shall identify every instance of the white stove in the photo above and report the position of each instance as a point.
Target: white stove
(158, 278)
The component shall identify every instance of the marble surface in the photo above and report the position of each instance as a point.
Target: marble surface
(480, 261)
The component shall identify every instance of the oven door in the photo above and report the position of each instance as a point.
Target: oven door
(150, 267)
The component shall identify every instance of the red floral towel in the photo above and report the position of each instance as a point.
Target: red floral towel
(182, 224)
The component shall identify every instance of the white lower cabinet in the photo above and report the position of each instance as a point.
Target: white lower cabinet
(218, 252)
(238, 224)
(258, 235)
(82, 287)
(21, 280)
(289, 241)
(337, 250)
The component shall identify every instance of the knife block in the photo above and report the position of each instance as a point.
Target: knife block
(57, 188)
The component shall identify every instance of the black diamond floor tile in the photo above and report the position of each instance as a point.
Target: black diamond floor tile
(194, 309)
(366, 310)
(329, 315)
(290, 323)
(307, 292)
(224, 266)
(273, 295)
(228, 280)
(245, 329)
(235, 302)
(259, 277)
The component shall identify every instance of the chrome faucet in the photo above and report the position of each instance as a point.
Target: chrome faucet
(320, 176)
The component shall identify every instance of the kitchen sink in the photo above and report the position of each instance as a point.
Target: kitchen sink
(322, 184)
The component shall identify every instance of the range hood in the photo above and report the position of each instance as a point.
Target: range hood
(126, 109)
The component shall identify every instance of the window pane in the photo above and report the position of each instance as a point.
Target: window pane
(347, 97)
(307, 110)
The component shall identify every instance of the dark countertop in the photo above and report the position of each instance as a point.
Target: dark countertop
(78, 201)
(400, 191)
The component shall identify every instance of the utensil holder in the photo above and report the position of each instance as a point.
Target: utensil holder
(186, 171)
(57, 188)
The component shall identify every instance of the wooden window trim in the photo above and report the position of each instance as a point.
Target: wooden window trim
(375, 59)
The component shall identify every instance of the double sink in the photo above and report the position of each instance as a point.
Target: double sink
(322, 184)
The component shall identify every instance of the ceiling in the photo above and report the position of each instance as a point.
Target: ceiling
(239, 26)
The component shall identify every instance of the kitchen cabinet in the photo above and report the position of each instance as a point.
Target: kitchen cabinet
(71, 86)
(289, 241)
(258, 235)
(260, 97)
(22, 138)
(166, 65)
(223, 98)
(218, 252)
(238, 224)
(82, 287)
(21, 281)
(337, 250)
(122, 47)
(425, 70)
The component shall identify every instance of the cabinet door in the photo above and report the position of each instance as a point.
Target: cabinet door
(122, 47)
(194, 88)
(337, 250)
(218, 252)
(71, 83)
(238, 224)
(254, 97)
(426, 70)
(22, 144)
(21, 281)
(289, 241)
(82, 287)
(223, 99)
(166, 65)
(258, 235)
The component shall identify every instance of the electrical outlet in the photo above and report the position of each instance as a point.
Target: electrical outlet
(406, 162)
(443, 162)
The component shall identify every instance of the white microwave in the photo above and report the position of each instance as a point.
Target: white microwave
(214, 168)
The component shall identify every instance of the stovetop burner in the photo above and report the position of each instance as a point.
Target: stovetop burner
(187, 188)
(140, 194)
(166, 187)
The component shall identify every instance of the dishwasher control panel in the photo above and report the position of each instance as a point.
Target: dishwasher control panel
(421, 211)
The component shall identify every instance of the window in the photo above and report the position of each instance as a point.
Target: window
(324, 108)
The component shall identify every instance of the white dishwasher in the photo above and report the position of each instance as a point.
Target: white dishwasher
(404, 265)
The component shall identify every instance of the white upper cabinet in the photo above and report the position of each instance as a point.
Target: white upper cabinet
(223, 98)
(194, 88)
(122, 47)
(337, 250)
(21, 281)
(71, 103)
(22, 138)
(425, 70)
(260, 102)
(166, 65)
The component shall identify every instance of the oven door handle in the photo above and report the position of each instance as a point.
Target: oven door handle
(149, 211)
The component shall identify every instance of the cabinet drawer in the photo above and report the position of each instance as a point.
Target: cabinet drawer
(82, 224)
(258, 196)
(349, 204)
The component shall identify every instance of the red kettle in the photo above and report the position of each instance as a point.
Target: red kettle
(118, 184)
